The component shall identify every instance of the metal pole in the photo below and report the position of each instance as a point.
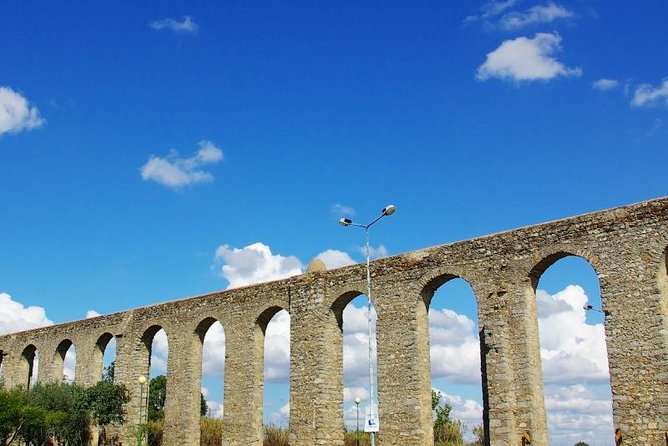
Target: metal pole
(368, 312)
(357, 430)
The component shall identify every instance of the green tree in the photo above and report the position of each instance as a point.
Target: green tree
(10, 416)
(108, 373)
(447, 432)
(104, 402)
(581, 443)
(157, 391)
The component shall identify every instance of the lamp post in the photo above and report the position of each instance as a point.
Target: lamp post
(387, 211)
(357, 429)
(142, 407)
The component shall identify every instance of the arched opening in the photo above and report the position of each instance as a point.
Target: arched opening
(30, 365)
(275, 324)
(571, 326)
(155, 388)
(212, 336)
(454, 348)
(104, 357)
(65, 360)
(356, 317)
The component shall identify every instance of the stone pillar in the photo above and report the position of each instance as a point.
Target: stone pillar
(244, 367)
(637, 338)
(88, 370)
(404, 378)
(182, 403)
(15, 369)
(316, 373)
(496, 359)
(524, 360)
(132, 361)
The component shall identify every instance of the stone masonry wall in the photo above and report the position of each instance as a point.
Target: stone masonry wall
(626, 247)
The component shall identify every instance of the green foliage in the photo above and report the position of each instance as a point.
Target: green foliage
(479, 435)
(211, 431)
(108, 373)
(447, 432)
(581, 443)
(157, 392)
(57, 411)
(105, 401)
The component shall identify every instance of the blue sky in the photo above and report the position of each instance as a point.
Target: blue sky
(138, 139)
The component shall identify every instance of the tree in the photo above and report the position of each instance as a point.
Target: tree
(157, 391)
(581, 443)
(104, 401)
(108, 373)
(446, 431)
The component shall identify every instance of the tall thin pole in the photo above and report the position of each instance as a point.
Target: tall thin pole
(368, 325)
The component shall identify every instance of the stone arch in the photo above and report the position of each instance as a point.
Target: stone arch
(430, 285)
(198, 354)
(272, 377)
(98, 355)
(663, 279)
(567, 384)
(58, 362)
(29, 365)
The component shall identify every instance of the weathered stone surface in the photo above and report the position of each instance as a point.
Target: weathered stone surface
(626, 246)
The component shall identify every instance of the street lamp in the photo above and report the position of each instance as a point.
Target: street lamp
(357, 429)
(387, 211)
(142, 407)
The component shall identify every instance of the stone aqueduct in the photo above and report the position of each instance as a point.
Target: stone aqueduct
(626, 246)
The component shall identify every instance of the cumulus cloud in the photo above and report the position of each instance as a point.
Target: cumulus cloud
(186, 25)
(159, 353)
(69, 365)
(16, 114)
(575, 355)
(454, 347)
(536, 14)
(254, 263)
(277, 348)
(648, 95)
(333, 258)
(175, 171)
(605, 84)
(467, 410)
(14, 316)
(374, 253)
(525, 59)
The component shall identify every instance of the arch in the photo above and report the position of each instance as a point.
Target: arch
(274, 323)
(552, 255)
(101, 346)
(29, 365)
(64, 360)
(208, 347)
(453, 334)
(573, 352)
(663, 279)
(340, 304)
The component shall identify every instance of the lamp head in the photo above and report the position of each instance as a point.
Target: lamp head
(389, 209)
(141, 380)
(345, 222)
(358, 400)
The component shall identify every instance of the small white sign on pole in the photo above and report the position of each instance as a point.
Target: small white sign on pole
(371, 422)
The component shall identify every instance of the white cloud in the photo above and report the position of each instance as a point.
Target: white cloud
(466, 410)
(491, 9)
(277, 348)
(536, 14)
(254, 263)
(574, 355)
(213, 351)
(185, 26)
(69, 365)
(175, 171)
(159, 353)
(16, 114)
(647, 95)
(605, 84)
(333, 258)
(525, 59)
(342, 210)
(374, 253)
(454, 347)
(14, 316)
(91, 314)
